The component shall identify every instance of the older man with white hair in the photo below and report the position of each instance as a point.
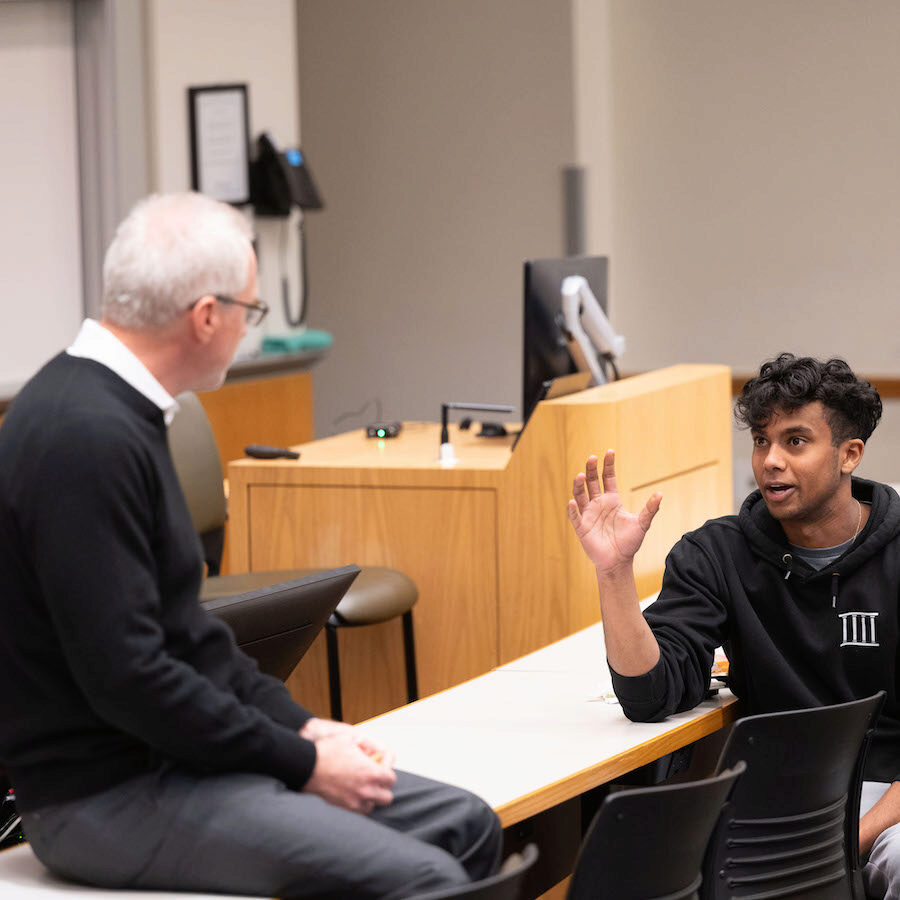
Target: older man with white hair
(145, 749)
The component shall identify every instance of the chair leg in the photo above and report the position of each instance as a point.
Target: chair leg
(334, 672)
(409, 651)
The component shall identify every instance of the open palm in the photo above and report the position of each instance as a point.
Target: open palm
(609, 534)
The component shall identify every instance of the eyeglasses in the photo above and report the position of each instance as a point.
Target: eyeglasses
(254, 312)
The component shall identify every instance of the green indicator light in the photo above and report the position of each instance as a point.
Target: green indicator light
(381, 432)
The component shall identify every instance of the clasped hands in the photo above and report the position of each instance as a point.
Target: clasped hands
(352, 770)
(609, 534)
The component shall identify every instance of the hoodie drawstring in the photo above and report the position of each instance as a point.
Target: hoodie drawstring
(788, 560)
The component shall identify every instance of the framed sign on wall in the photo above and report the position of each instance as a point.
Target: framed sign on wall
(220, 141)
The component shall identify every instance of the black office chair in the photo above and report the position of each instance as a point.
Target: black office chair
(377, 595)
(648, 843)
(505, 885)
(276, 623)
(790, 828)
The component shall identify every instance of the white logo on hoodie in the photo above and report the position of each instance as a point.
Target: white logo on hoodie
(859, 629)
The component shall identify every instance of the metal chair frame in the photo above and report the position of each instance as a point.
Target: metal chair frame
(332, 626)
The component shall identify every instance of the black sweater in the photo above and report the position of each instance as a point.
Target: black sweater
(111, 666)
(725, 584)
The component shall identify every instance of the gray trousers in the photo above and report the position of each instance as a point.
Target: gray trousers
(882, 871)
(249, 834)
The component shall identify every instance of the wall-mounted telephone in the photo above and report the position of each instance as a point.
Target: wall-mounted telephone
(279, 180)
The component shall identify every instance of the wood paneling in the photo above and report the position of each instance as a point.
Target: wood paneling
(592, 429)
(671, 432)
(276, 411)
(439, 537)
(888, 387)
(531, 540)
(689, 499)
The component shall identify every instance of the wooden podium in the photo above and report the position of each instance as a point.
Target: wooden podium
(486, 540)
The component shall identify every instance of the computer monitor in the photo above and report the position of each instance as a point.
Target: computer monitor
(545, 347)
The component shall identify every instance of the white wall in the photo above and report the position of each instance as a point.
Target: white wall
(207, 42)
(756, 186)
(437, 132)
(40, 245)
(593, 95)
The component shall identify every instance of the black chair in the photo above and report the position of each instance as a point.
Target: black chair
(377, 595)
(648, 843)
(790, 828)
(276, 623)
(506, 885)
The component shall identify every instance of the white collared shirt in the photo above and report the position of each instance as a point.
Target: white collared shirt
(97, 343)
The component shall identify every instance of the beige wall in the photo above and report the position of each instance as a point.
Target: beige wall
(437, 132)
(740, 173)
(593, 95)
(756, 187)
(40, 243)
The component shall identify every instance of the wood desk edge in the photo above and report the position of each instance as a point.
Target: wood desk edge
(616, 766)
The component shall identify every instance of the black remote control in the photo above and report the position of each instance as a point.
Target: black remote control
(263, 451)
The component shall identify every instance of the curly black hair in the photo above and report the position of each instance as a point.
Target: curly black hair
(852, 406)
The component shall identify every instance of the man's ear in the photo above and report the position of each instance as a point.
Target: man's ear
(204, 318)
(851, 455)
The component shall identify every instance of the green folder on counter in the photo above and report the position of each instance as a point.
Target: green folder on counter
(310, 339)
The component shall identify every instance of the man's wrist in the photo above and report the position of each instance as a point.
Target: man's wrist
(867, 834)
(315, 728)
(619, 576)
(310, 729)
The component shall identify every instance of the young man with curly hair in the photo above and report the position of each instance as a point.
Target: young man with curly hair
(801, 588)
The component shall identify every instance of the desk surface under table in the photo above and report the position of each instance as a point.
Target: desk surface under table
(539, 730)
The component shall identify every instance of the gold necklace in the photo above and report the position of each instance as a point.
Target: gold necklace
(858, 521)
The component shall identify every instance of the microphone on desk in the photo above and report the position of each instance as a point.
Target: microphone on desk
(446, 455)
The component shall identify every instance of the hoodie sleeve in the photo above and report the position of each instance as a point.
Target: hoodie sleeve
(688, 621)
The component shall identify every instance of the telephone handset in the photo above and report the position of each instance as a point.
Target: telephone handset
(278, 182)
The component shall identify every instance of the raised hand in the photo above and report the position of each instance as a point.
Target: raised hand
(609, 534)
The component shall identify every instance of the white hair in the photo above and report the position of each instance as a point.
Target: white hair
(168, 252)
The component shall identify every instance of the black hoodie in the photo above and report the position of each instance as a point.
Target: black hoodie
(794, 637)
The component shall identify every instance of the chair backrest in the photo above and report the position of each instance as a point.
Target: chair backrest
(790, 828)
(648, 843)
(276, 624)
(199, 469)
(506, 885)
